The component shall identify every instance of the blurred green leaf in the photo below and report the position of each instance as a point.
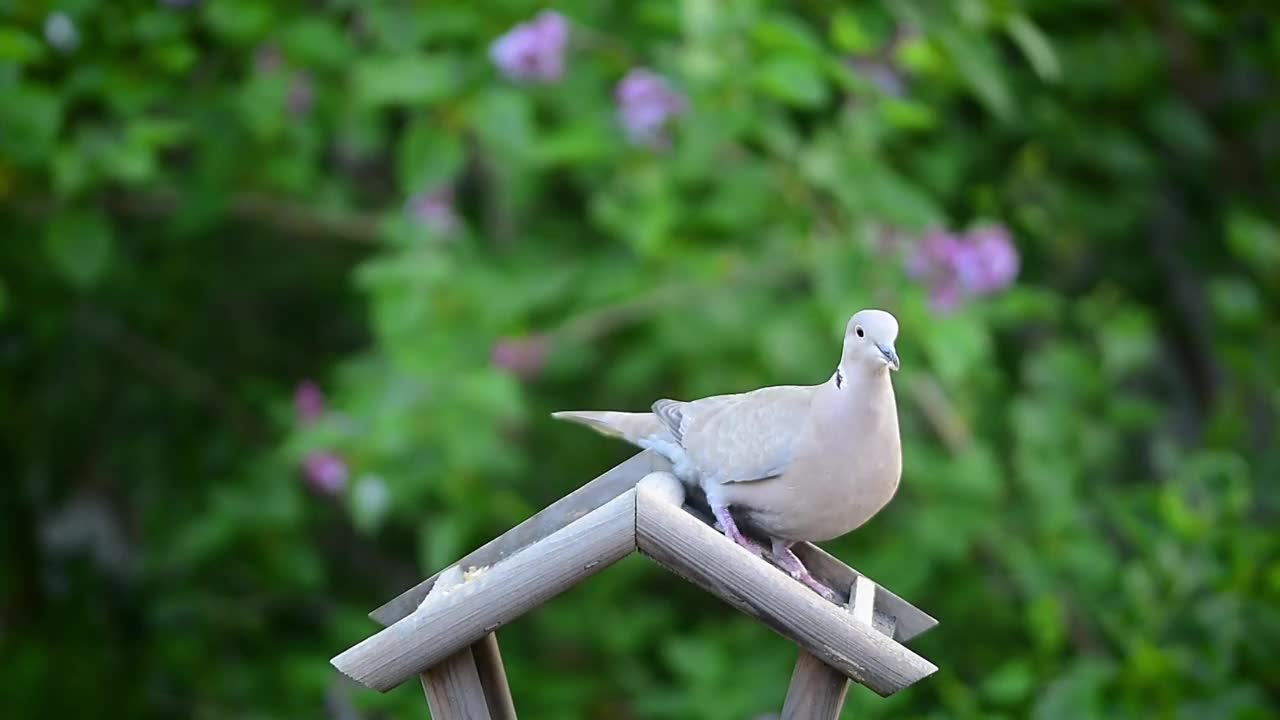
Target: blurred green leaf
(1254, 240)
(240, 21)
(1009, 683)
(427, 157)
(79, 243)
(19, 47)
(1035, 46)
(792, 79)
(31, 116)
(975, 61)
(403, 79)
(316, 43)
(848, 34)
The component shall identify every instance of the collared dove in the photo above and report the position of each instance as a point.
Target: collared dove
(801, 463)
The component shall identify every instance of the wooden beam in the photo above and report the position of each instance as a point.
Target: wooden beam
(454, 689)
(555, 516)
(493, 677)
(818, 691)
(688, 547)
(493, 596)
(909, 621)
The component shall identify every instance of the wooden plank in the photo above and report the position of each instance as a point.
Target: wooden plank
(700, 554)
(493, 677)
(909, 620)
(493, 596)
(453, 687)
(818, 691)
(555, 516)
(862, 599)
(454, 690)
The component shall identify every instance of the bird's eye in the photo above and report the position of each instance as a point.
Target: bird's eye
(858, 331)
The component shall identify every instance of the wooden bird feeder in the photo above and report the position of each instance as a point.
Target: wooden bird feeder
(442, 630)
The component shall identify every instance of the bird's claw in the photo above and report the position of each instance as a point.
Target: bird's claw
(817, 586)
(796, 569)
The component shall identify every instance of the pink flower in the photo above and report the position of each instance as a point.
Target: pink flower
(997, 259)
(522, 357)
(959, 268)
(533, 50)
(308, 402)
(434, 209)
(646, 103)
(325, 473)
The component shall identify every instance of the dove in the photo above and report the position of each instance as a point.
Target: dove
(798, 463)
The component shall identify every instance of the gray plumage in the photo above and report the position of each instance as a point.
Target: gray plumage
(801, 462)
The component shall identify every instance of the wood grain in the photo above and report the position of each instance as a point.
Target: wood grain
(909, 621)
(691, 549)
(494, 596)
(552, 518)
(493, 677)
(454, 690)
(818, 691)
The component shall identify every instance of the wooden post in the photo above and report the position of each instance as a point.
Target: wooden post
(493, 678)
(453, 686)
(454, 690)
(817, 690)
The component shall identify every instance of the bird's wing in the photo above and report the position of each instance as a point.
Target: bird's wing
(739, 438)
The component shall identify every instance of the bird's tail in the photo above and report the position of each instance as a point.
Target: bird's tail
(632, 427)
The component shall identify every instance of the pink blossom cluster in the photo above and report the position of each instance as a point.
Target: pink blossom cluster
(534, 51)
(522, 357)
(323, 471)
(959, 267)
(646, 103)
(434, 209)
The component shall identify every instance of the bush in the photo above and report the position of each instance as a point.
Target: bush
(456, 218)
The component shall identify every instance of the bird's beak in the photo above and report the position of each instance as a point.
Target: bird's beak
(890, 355)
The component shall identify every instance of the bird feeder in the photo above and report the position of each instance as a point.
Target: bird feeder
(442, 630)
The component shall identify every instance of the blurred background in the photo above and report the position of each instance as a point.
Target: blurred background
(288, 289)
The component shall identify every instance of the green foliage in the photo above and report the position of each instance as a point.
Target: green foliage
(207, 204)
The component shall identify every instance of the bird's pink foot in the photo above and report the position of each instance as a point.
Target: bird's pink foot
(788, 561)
(730, 529)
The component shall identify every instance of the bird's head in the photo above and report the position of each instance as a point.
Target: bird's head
(868, 341)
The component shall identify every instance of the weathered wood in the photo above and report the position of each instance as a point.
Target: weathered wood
(691, 549)
(492, 596)
(818, 691)
(862, 599)
(890, 609)
(493, 677)
(454, 689)
(555, 516)
(909, 620)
